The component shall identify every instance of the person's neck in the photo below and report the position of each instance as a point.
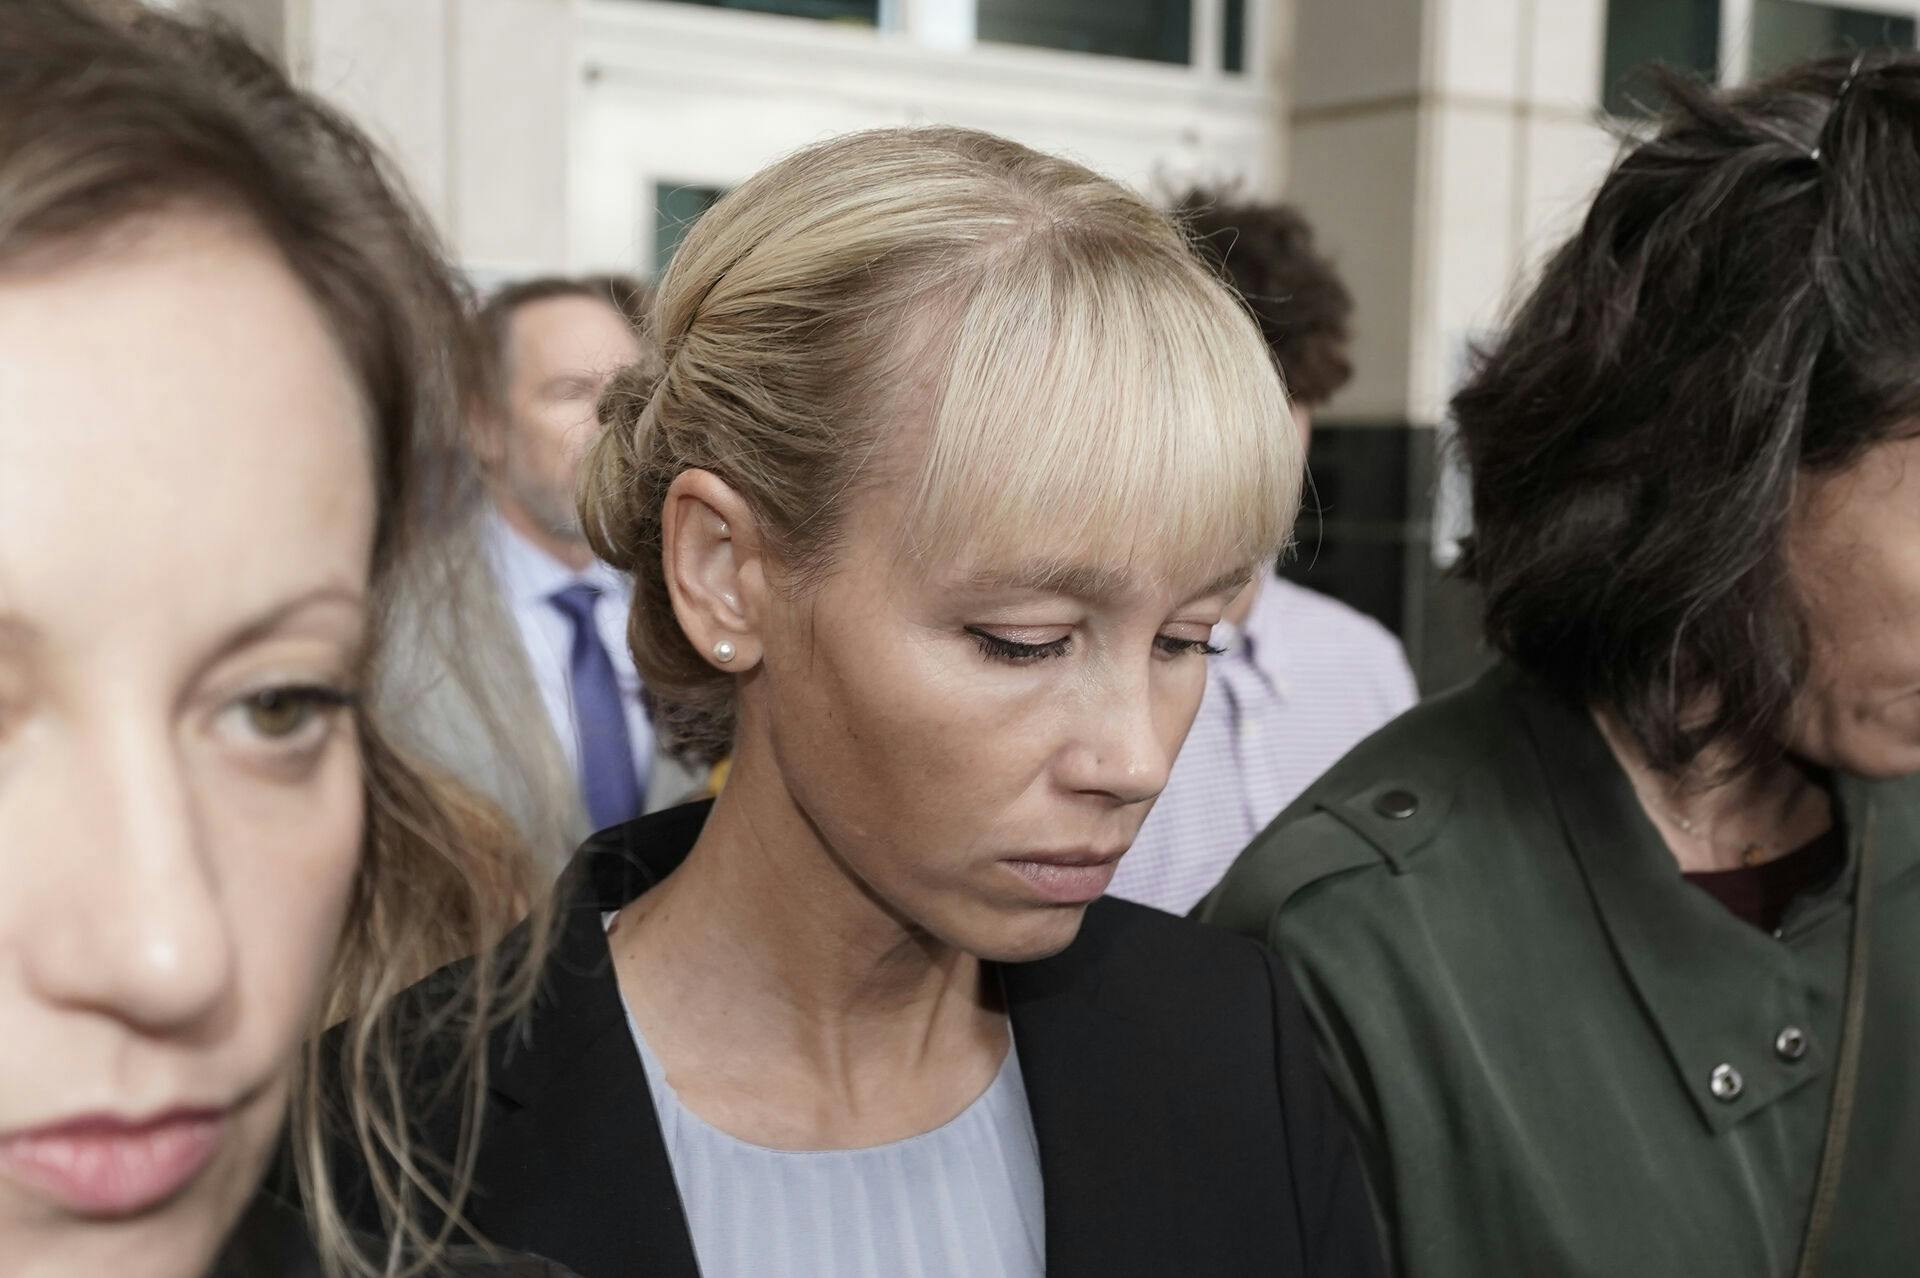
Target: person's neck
(1713, 817)
(763, 948)
(574, 552)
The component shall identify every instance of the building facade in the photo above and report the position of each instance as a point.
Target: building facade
(1440, 146)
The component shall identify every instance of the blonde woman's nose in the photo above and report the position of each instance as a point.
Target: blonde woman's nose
(1120, 753)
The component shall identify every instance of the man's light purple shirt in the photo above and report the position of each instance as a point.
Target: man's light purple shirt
(1298, 686)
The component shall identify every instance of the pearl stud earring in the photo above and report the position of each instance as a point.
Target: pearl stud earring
(723, 651)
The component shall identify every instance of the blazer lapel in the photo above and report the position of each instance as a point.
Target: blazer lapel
(573, 1166)
(581, 1176)
(1109, 1155)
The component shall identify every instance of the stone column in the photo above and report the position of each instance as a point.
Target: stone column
(1439, 147)
(472, 98)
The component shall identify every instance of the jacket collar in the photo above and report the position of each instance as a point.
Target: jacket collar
(580, 1155)
(1128, 1181)
(1718, 990)
(576, 1158)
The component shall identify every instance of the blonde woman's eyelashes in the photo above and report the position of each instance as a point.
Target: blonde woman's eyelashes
(1000, 648)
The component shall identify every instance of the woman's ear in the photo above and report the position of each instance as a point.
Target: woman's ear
(716, 574)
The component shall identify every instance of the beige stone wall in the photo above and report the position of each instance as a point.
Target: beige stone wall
(535, 130)
(684, 94)
(473, 98)
(1442, 146)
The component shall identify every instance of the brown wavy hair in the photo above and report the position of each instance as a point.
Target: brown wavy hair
(113, 115)
(1267, 254)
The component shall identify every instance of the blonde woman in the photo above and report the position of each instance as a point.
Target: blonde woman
(223, 365)
(955, 461)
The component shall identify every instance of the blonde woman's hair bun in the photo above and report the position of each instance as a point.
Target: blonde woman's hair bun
(613, 478)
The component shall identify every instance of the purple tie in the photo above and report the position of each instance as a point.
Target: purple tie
(607, 778)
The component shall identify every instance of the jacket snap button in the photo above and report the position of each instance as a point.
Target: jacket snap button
(1727, 1083)
(1791, 1044)
(1397, 805)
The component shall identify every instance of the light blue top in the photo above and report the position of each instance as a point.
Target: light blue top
(960, 1201)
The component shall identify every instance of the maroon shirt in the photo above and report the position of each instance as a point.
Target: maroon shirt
(1760, 894)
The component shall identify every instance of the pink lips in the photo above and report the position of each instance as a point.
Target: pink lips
(105, 1166)
(1072, 879)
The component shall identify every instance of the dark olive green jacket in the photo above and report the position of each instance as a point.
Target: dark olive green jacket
(1526, 1008)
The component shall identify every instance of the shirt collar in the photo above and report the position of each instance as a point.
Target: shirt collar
(530, 576)
(1259, 641)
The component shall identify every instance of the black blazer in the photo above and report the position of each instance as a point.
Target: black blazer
(1184, 1124)
(272, 1241)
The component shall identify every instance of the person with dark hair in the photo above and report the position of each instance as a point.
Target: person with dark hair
(1302, 307)
(553, 344)
(1301, 678)
(1615, 953)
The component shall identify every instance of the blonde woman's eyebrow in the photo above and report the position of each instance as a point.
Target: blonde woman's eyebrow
(1073, 579)
(1085, 581)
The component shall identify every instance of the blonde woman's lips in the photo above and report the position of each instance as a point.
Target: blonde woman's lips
(102, 1165)
(1066, 878)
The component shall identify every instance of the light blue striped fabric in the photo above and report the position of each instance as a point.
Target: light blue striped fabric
(961, 1201)
(1303, 682)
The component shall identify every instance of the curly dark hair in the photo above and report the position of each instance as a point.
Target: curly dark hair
(1266, 253)
(1740, 308)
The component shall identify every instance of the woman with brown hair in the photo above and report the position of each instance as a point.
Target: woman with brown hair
(227, 376)
(957, 456)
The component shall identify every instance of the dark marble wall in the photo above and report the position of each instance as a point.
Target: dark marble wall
(1365, 537)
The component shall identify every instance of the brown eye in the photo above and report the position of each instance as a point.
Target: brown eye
(276, 714)
(279, 712)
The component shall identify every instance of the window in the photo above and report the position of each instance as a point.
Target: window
(862, 12)
(1788, 30)
(1233, 37)
(676, 208)
(1678, 33)
(1154, 30)
(1686, 34)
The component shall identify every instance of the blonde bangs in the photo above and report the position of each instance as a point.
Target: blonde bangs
(1110, 404)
